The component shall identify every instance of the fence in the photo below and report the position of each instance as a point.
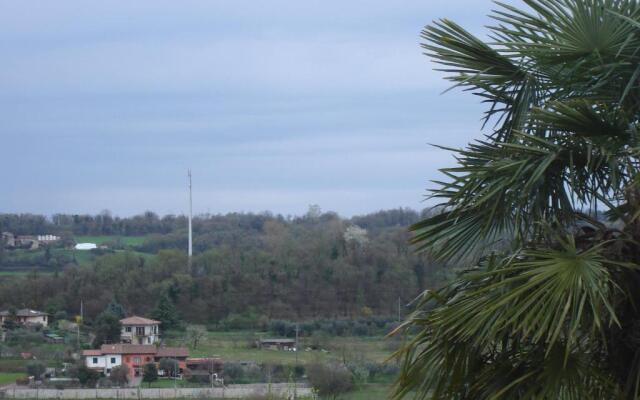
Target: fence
(281, 390)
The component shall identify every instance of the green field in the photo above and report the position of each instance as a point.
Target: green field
(24, 271)
(10, 377)
(23, 262)
(236, 346)
(169, 383)
(373, 391)
(128, 241)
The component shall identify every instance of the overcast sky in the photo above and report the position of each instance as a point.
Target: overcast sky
(274, 105)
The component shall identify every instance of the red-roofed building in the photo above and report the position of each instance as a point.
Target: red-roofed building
(140, 330)
(134, 356)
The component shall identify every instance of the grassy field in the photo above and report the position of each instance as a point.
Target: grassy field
(34, 261)
(371, 391)
(169, 383)
(129, 241)
(236, 346)
(9, 377)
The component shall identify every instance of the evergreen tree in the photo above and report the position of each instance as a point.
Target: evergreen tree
(150, 373)
(116, 309)
(166, 313)
(107, 328)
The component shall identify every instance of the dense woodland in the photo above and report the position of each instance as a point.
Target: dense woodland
(246, 266)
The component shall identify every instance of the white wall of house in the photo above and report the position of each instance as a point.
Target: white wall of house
(42, 320)
(144, 334)
(96, 362)
(104, 362)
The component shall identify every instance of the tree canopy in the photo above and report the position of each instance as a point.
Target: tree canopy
(245, 267)
(150, 373)
(542, 213)
(107, 328)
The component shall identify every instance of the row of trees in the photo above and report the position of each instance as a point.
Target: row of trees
(150, 223)
(253, 267)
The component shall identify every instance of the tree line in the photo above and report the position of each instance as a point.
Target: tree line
(251, 267)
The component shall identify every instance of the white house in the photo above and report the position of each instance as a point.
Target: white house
(139, 330)
(25, 316)
(101, 361)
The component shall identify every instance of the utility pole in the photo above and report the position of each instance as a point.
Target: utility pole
(78, 324)
(211, 371)
(296, 344)
(190, 217)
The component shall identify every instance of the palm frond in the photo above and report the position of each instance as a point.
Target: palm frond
(527, 314)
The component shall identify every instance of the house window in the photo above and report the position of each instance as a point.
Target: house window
(148, 358)
(95, 360)
(140, 330)
(113, 360)
(136, 360)
(155, 329)
(127, 329)
(126, 359)
(148, 340)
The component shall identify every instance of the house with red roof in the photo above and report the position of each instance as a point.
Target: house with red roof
(140, 330)
(134, 356)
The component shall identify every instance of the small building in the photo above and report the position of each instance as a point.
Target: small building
(11, 241)
(53, 338)
(85, 246)
(27, 242)
(8, 239)
(25, 316)
(277, 344)
(46, 239)
(97, 361)
(140, 330)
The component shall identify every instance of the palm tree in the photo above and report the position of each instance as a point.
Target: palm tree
(543, 213)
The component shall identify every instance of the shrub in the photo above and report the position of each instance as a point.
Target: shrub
(120, 375)
(35, 368)
(60, 315)
(169, 366)
(150, 373)
(239, 321)
(330, 380)
(360, 329)
(85, 375)
(23, 380)
(233, 372)
(298, 371)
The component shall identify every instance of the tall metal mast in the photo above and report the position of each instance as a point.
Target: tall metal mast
(190, 216)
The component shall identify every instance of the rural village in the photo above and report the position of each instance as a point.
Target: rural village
(287, 200)
(138, 358)
(62, 350)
